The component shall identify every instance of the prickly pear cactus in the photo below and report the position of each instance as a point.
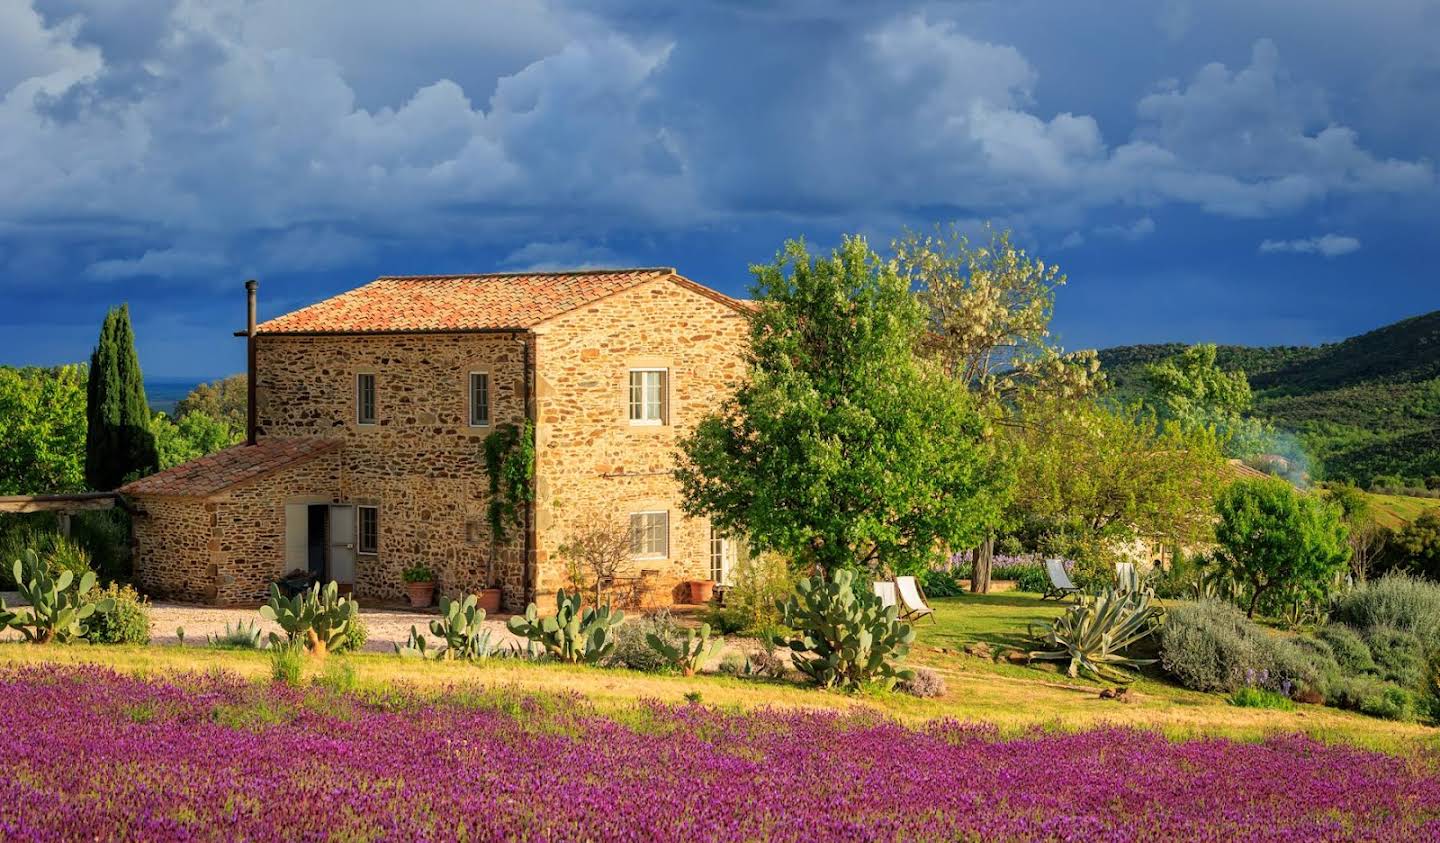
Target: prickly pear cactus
(57, 603)
(461, 630)
(845, 639)
(688, 655)
(416, 647)
(573, 634)
(318, 616)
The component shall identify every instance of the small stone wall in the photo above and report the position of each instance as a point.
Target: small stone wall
(172, 557)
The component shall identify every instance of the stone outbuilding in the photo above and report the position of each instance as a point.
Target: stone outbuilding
(369, 416)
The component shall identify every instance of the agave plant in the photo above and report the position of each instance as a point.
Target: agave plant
(1094, 633)
(243, 635)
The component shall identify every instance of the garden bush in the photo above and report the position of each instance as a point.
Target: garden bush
(1212, 646)
(354, 637)
(127, 622)
(1396, 601)
(925, 683)
(55, 550)
(105, 535)
(1348, 648)
(946, 582)
(757, 583)
(1399, 656)
(631, 647)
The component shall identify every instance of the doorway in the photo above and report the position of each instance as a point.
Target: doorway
(320, 539)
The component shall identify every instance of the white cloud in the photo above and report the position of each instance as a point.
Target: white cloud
(1138, 229)
(564, 254)
(1326, 245)
(158, 263)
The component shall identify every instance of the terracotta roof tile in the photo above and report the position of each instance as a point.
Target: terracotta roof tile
(235, 465)
(506, 301)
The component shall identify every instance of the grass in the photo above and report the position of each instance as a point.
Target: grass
(1014, 697)
(1395, 511)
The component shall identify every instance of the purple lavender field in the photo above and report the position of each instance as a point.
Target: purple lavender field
(91, 754)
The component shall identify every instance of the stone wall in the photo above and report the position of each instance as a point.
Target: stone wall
(592, 466)
(172, 548)
(248, 546)
(422, 463)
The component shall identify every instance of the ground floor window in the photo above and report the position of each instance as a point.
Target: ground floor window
(367, 529)
(650, 535)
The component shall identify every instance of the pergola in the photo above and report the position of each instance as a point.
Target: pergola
(62, 505)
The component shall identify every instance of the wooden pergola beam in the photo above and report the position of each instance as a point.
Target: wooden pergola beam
(58, 503)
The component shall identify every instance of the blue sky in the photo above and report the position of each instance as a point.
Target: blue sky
(1260, 171)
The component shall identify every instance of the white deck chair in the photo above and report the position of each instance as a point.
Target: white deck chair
(886, 592)
(1061, 585)
(913, 605)
(1126, 578)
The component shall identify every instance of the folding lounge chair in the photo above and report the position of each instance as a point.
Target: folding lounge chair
(886, 592)
(913, 605)
(1061, 586)
(1126, 578)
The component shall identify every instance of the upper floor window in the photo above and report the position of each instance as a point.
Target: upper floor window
(367, 529)
(648, 391)
(365, 398)
(479, 399)
(650, 535)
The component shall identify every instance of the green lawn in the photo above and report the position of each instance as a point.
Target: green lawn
(1015, 697)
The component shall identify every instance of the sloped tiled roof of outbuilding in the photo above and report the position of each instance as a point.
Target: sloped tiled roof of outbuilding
(439, 303)
(221, 470)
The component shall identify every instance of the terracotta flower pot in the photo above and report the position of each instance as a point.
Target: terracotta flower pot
(421, 594)
(489, 600)
(701, 591)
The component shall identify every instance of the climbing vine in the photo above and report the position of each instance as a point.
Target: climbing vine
(510, 464)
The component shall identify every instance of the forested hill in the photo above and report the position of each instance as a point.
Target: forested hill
(1367, 406)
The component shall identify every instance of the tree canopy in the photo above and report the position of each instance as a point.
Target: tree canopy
(1283, 544)
(42, 426)
(1091, 477)
(843, 448)
(223, 400)
(118, 441)
(1192, 389)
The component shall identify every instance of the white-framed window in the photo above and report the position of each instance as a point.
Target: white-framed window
(479, 399)
(365, 398)
(650, 535)
(367, 529)
(725, 553)
(649, 389)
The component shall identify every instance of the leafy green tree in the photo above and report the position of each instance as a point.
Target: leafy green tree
(1282, 544)
(223, 400)
(1192, 389)
(1419, 544)
(1093, 477)
(42, 428)
(118, 441)
(193, 436)
(842, 448)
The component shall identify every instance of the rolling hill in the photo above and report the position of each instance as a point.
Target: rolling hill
(1367, 406)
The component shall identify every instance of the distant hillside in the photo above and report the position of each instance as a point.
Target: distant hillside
(1366, 406)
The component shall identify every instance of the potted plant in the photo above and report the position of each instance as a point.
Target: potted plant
(701, 590)
(489, 599)
(419, 585)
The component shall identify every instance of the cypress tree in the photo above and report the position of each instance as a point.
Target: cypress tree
(118, 442)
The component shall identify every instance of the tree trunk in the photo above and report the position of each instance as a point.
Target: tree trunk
(980, 570)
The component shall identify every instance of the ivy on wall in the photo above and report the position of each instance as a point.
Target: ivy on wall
(510, 465)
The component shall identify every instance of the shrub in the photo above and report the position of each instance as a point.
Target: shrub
(286, 661)
(757, 584)
(1396, 601)
(1094, 634)
(55, 550)
(127, 622)
(1375, 697)
(925, 683)
(352, 640)
(105, 535)
(1399, 656)
(631, 647)
(1348, 649)
(1212, 646)
(846, 639)
(732, 664)
(946, 583)
(1250, 697)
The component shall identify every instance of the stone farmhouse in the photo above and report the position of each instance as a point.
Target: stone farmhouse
(368, 416)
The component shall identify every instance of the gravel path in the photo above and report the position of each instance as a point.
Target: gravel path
(385, 627)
